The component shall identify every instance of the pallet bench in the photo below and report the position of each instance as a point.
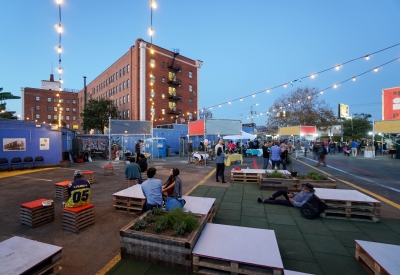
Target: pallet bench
(129, 200)
(89, 176)
(200, 205)
(108, 169)
(247, 175)
(74, 219)
(34, 214)
(23, 256)
(61, 189)
(131, 182)
(224, 249)
(378, 258)
(349, 205)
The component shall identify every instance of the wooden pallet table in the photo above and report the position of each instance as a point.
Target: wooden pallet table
(200, 205)
(349, 205)
(23, 256)
(129, 200)
(75, 219)
(378, 258)
(247, 175)
(34, 214)
(131, 182)
(61, 189)
(89, 176)
(108, 169)
(225, 249)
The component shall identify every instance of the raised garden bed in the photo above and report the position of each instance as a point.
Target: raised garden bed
(317, 180)
(160, 248)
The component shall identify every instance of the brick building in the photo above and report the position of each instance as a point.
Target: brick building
(43, 105)
(149, 83)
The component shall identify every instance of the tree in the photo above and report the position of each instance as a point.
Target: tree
(301, 107)
(4, 114)
(205, 113)
(96, 114)
(357, 126)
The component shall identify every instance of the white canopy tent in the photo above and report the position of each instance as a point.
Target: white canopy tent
(243, 135)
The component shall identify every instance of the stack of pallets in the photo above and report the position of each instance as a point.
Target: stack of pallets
(61, 190)
(75, 219)
(89, 176)
(34, 214)
(127, 205)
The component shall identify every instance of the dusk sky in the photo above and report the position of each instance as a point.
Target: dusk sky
(246, 46)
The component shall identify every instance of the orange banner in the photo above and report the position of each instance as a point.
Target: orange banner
(391, 103)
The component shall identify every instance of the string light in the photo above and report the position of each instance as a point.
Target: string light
(375, 69)
(354, 79)
(267, 90)
(313, 76)
(59, 50)
(367, 57)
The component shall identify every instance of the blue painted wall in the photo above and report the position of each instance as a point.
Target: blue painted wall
(32, 135)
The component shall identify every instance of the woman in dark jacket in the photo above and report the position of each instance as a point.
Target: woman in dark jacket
(173, 186)
(284, 157)
(220, 158)
(142, 163)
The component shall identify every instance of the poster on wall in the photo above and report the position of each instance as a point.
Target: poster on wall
(14, 144)
(44, 144)
(343, 111)
(391, 103)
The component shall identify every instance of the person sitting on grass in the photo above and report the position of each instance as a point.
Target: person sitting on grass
(152, 190)
(293, 200)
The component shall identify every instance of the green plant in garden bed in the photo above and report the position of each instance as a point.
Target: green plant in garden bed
(313, 176)
(276, 174)
(176, 220)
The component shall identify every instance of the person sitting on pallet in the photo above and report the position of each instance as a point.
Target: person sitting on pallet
(291, 199)
(152, 190)
(142, 163)
(132, 170)
(78, 191)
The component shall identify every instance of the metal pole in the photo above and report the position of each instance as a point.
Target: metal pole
(109, 139)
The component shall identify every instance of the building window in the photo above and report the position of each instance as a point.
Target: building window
(73, 117)
(61, 100)
(120, 73)
(163, 111)
(55, 100)
(120, 101)
(55, 116)
(152, 111)
(120, 87)
(37, 115)
(127, 67)
(61, 109)
(37, 98)
(67, 101)
(152, 78)
(67, 117)
(127, 114)
(123, 99)
(123, 114)
(116, 75)
(163, 80)
(37, 107)
(123, 85)
(190, 74)
(163, 64)
(61, 117)
(73, 109)
(48, 116)
(116, 102)
(127, 98)
(48, 108)
(67, 125)
(67, 109)
(152, 62)
(55, 109)
(152, 93)
(190, 101)
(49, 99)
(163, 95)
(190, 115)
(106, 82)
(127, 83)
(73, 101)
(190, 88)
(123, 73)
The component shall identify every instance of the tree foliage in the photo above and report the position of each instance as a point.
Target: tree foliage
(4, 114)
(357, 126)
(97, 113)
(301, 107)
(205, 113)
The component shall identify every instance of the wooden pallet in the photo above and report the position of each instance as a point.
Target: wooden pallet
(352, 210)
(89, 176)
(245, 177)
(279, 183)
(108, 169)
(131, 182)
(127, 205)
(205, 265)
(369, 263)
(76, 219)
(61, 190)
(211, 214)
(34, 214)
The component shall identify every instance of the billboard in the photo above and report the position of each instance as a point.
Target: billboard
(343, 111)
(391, 103)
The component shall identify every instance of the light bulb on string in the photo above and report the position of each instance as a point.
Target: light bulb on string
(335, 86)
(313, 76)
(284, 85)
(59, 50)
(267, 90)
(241, 99)
(254, 95)
(59, 28)
(354, 79)
(153, 4)
(59, 2)
(60, 70)
(376, 69)
(229, 102)
(219, 105)
(367, 57)
(151, 31)
(321, 92)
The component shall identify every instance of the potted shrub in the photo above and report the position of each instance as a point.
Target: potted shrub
(278, 180)
(319, 180)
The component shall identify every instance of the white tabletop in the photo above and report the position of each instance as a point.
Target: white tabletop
(285, 172)
(249, 171)
(197, 155)
(343, 195)
(131, 192)
(18, 255)
(239, 244)
(386, 255)
(198, 205)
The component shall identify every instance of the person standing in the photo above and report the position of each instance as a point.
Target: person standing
(322, 152)
(137, 150)
(220, 141)
(353, 146)
(284, 157)
(304, 144)
(265, 150)
(220, 158)
(190, 150)
(297, 148)
(152, 190)
(315, 150)
(275, 155)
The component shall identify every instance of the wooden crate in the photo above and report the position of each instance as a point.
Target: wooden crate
(246, 177)
(349, 210)
(279, 183)
(108, 169)
(75, 219)
(204, 265)
(128, 205)
(89, 176)
(34, 214)
(172, 252)
(61, 190)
